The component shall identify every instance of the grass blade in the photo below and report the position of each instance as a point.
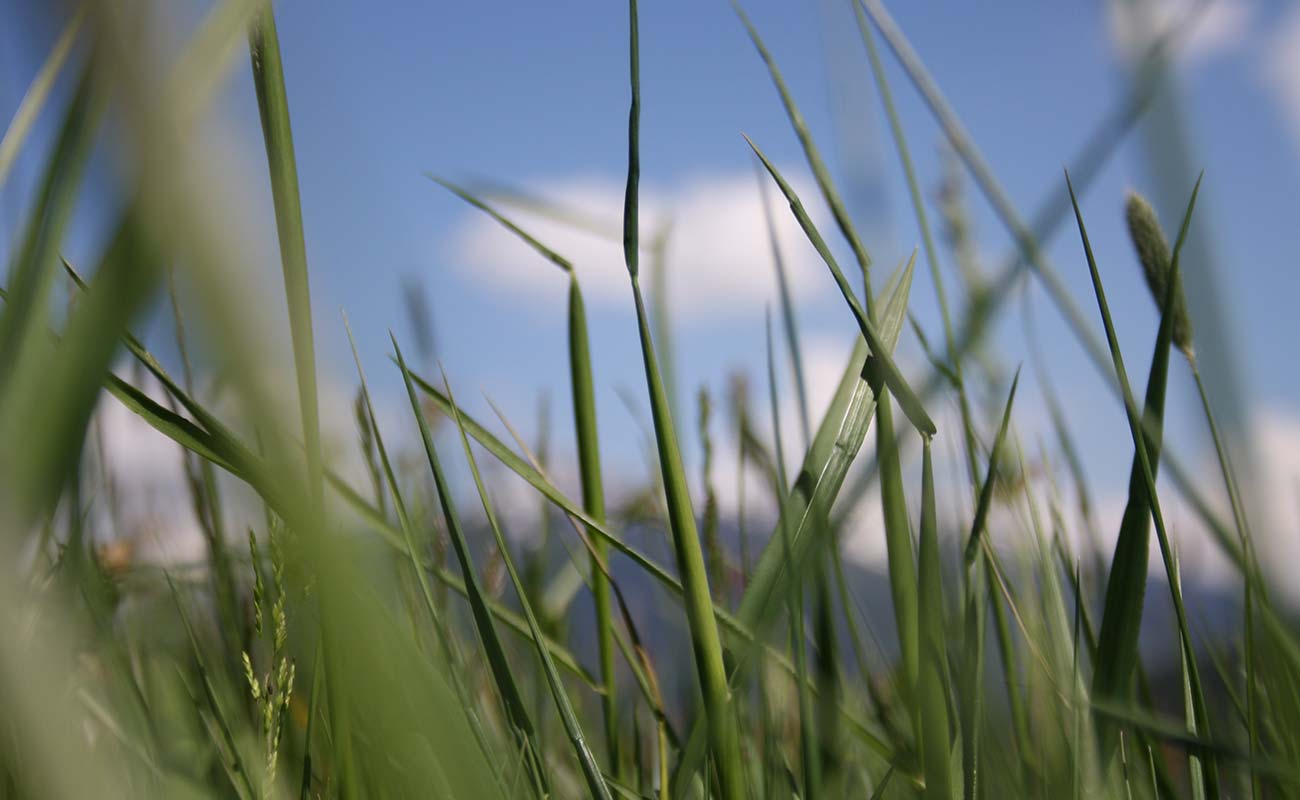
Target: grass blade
(38, 92)
(705, 642)
(502, 675)
(1140, 447)
(1117, 645)
(931, 694)
(273, 108)
(590, 770)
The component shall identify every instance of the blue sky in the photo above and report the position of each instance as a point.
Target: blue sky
(535, 95)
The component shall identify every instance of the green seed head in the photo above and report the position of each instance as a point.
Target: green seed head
(1153, 252)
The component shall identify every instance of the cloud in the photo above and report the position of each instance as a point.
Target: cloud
(1220, 27)
(1281, 68)
(718, 255)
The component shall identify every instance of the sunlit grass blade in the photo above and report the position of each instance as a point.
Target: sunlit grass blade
(1201, 720)
(273, 107)
(572, 727)
(705, 641)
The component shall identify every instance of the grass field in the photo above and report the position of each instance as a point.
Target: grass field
(385, 638)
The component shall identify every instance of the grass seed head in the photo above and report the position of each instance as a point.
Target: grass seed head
(1153, 253)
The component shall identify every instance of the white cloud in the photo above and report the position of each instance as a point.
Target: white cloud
(1220, 27)
(718, 256)
(1281, 68)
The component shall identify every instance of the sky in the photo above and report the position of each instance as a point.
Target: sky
(535, 96)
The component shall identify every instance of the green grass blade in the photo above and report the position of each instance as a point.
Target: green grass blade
(502, 674)
(1148, 480)
(788, 320)
(590, 769)
(931, 694)
(893, 378)
(1117, 646)
(809, 761)
(990, 479)
(706, 644)
(273, 108)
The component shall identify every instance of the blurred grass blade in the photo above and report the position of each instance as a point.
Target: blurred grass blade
(37, 94)
(809, 756)
(273, 107)
(573, 728)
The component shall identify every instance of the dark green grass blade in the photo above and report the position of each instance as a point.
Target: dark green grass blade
(1121, 623)
(1202, 721)
(990, 479)
(892, 377)
(502, 674)
(590, 769)
(931, 694)
(273, 107)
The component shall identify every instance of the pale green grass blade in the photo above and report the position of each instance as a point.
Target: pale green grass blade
(273, 107)
(37, 94)
(33, 262)
(590, 770)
